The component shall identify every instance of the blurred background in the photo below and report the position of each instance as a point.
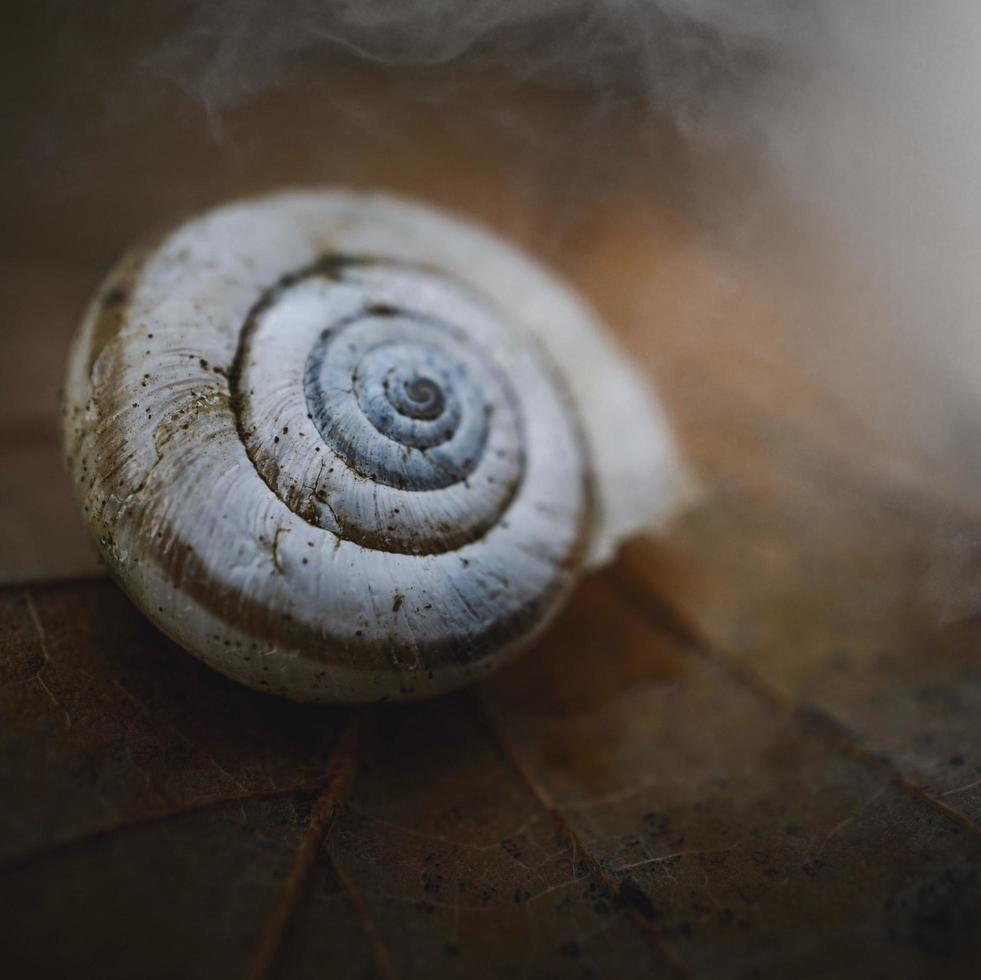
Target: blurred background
(750, 748)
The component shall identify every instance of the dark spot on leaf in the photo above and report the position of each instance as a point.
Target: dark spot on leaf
(634, 896)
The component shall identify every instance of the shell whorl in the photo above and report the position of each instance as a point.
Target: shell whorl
(422, 443)
(321, 456)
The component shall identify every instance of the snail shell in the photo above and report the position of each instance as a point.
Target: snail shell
(344, 448)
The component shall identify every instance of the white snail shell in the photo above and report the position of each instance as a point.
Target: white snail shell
(345, 448)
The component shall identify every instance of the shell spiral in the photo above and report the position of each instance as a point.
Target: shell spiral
(370, 400)
(322, 455)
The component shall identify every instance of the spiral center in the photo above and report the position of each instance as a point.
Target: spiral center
(425, 399)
